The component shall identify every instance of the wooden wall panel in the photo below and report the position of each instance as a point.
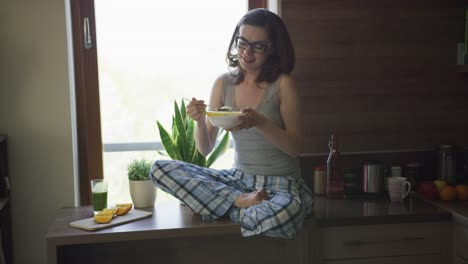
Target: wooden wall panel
(382, 73)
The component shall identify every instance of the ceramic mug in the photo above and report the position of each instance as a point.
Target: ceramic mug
(398, 188)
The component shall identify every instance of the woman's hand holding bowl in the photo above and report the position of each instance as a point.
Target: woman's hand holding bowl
(250, 118)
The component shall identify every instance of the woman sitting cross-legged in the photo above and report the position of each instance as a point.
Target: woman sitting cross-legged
(263, 191)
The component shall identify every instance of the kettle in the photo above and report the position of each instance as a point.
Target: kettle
(373, 177)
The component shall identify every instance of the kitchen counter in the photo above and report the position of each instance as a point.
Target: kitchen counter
(375, 211)
(458, 209)
(170, 219)
(175, 230)
(173, 234)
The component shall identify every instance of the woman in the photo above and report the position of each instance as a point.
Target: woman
(263, 191)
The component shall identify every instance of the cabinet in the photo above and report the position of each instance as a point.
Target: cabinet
(463, 68)
(461, 243)
(385, 244)
(4, 182)
(6, 250)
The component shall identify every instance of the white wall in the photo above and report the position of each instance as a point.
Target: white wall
(35, 113)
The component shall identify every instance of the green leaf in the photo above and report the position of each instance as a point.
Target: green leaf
(168, 142)
(219, 149)
(183, 111)
(199, 159)
(181, 144)
(191, 145)
(182, 139)
(181, 148)
(175, 134)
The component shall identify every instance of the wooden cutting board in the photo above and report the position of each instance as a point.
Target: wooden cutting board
(90, 225)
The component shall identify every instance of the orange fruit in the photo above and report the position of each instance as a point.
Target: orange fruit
(112, 211)
(121, 211)
(462, 192)
(123, 208)
(124, 205)
(103, 218)
(106, 212)
(448, 193)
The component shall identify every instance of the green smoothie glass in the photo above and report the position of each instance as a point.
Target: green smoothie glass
(99, 191)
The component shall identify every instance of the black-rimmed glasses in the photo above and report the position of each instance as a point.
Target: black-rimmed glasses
(257, 46)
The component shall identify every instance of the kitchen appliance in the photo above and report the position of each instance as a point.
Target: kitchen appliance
(446, 164)
(373, 178)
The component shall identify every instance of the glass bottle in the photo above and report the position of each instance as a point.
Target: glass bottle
(320, 180)
(335, 179)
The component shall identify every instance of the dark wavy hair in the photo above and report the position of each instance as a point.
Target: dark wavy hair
(282, 57)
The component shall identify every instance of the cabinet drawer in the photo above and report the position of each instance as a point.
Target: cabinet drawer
(426, 259)
(461, 241)
(382, 240)
(459, 260)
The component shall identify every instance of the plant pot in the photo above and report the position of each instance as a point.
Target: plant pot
(143, 193)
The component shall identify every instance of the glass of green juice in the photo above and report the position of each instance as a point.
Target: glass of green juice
(99, 191)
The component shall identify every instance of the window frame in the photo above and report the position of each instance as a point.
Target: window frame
(90, 147)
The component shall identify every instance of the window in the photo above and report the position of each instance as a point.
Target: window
(157, 54)
(149, 54)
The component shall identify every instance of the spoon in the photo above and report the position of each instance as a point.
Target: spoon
(223, 109)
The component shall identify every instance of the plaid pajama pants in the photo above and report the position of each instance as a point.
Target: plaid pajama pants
(211, 193)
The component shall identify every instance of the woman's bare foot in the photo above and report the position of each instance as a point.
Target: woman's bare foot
(246, 200)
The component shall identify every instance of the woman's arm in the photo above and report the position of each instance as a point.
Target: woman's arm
(289, 139)
(205, 132)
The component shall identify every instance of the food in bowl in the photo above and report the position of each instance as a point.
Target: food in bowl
(224, 109)
(224, 119)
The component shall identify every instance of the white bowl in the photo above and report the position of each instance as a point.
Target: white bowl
(224, 119)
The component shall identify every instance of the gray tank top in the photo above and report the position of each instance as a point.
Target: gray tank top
(254, 154)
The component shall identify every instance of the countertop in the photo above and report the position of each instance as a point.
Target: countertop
(169, 220)
(376, 211)
(175, 220)
(458, 209)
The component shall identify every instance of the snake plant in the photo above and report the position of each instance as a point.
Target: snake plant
(180, 143)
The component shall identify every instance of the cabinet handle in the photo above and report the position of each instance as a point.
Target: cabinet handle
(7, 183)
(353, 243)
(88, 42)
(413, 238)
(374, 242)
(2, 166)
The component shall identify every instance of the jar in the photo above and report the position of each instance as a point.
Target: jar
(395, 171)
(320, 180)
(352, 182)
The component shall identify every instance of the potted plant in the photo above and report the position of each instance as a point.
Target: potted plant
(142, 189)
(180, 144)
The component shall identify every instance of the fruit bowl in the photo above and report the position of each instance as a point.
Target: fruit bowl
(224, 119)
